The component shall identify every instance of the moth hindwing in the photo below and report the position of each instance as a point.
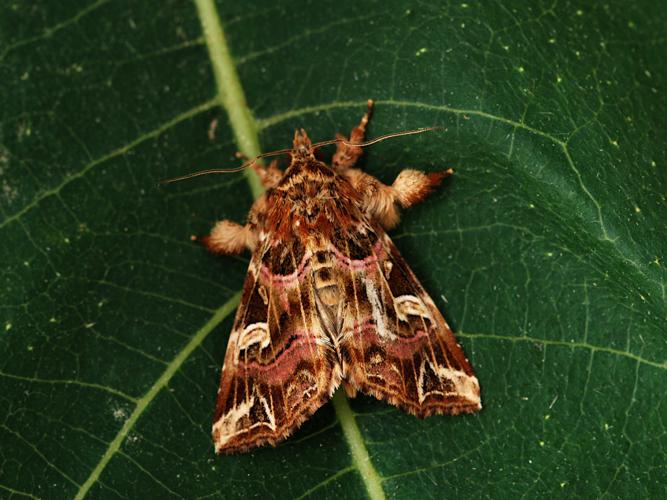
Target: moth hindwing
(328, 299)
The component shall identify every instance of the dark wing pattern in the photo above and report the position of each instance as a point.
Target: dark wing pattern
(280, 367)
(394, 343)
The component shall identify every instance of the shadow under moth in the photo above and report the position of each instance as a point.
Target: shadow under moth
(328, 299)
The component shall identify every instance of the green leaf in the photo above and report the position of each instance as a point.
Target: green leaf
(546, 251)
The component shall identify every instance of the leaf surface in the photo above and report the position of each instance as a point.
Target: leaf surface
(546, 251)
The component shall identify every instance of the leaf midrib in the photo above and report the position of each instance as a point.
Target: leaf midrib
(229, 90)
(244, 126)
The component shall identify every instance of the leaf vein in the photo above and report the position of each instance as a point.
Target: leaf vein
(114, 446)
(109, 156)
(563, 343)
(49, 32)
(80, 383)
(40, 454)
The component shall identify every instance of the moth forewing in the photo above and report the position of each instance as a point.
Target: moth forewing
(328, 298)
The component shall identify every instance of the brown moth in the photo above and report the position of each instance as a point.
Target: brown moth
(328, 299)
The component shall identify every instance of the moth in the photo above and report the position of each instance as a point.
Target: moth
(328, 300)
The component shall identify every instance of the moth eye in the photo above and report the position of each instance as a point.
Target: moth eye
(263, 294)
(388, 266)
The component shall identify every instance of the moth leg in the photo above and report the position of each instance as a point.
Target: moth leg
(346, 156)
(229, 238)
(269, 176)
(413, 186)
(382, 201)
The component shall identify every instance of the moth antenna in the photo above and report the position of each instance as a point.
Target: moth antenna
(205, 172)
(377, 139)
(225, 170)
(286, 151)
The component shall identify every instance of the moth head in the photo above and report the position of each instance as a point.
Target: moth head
(302, 145)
